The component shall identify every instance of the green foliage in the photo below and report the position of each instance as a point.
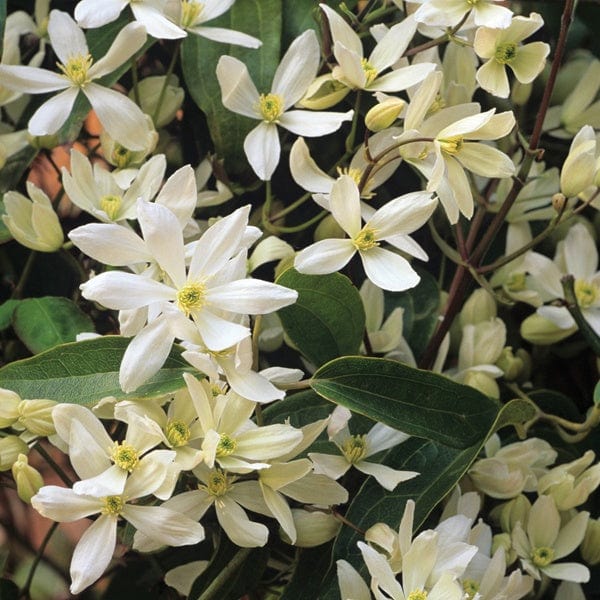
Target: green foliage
(199, 57)
(6, 312)
(42, 323)
(327, 320)
(85, 372)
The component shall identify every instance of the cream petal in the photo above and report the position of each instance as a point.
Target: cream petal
(51, 115)
(90, 14)
(380, 571)
(530, 61)
(268, 442)
(485, 160)
(239, 94)
(381, 437)
(491, 76)
(341, 31)
(402, 215)
(402, 78)
(238, 527)
(251, 297)
(313, 124)
(326, 256)
(217, 333)
(66, 38)
(352, 585)
(316, 489)
(386, 476)
(568, 572)
(487, 14)
(344, 203)
(544, 522)
(253, 386)
(460, 187)
(305, 171)
(393, 44)
(388, 270)
(581, 254)
(281, 511)
(331, 465)
(485, 42)
(227, 36)
(214, 8)
(155, 23)
(262, 149)
(64, 505)
(571, 535)
(164, 525)
(127, 42)
(108, 483)
(350, 70)
(93, 552)
(31, 79)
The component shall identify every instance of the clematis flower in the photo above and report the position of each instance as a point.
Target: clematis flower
(502, 47)
(121, 117)
(95, 548)
(296, 71)
(191, 15)
(391, 223)
(90, 13)
(447, 13)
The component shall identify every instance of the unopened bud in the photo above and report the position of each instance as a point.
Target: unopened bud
(513, 512)
(383, 115)
(44, 142)
(9, 407)
(11, 447)
(511, 365)
(538, 330)
(36, 416)
(27, 478)
(503, 540)
(520, 92)
(312, 528)
(324, 92)
(482, 382)
(590, 547)
(559, 202)
(152, 89)
(480, 306)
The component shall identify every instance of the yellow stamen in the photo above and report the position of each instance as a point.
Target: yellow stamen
(355, 448)
(226, 446)
(586, 292)
(505, 53)
(191, 297)
(369, 69)
(76, 69)
(190, 11)
(417, 595)
(121, 156)
(516, 282)
(470, 587)
(451, 145)
(111, 205)
(178, 433)
(218, 485)
(113, 505)
(365, 240)
(125, 456)
(542, 557)
(270, 107)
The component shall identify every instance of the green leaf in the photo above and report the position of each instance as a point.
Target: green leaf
(84, 372)
(2, 24)
(307, 576)
(5, 234)
(597, 394)
(42, 323)
(417, 402)
(327, 320)
(199, 57)
(6, 312)
(11, 173)
(515, 412)
(8, 590)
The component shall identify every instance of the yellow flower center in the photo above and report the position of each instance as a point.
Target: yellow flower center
(191, 297)
(125, 456)
(472, 2)
(451, 145)
(121, 156)
(190, 11)
(110, 205)
(365, 240)
(355, 448)
(354, 173)
(369, 69)
(417, 595)
(178, 433)
(226, 446)
(542, 557)
(516, 282)
(218, 485)
(586, 292)
(505, 53)
(436, 106)
(112, 505)
(76, 69)
(270, 107)
(470, 587)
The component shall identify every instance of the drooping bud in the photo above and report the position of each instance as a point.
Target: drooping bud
(11, 447)
(479, 307)
(383, 115)
(590, 547)
(538, 330)
(36, 416)
(323, 93)
(511, 365)
(27, 478)
(9, 407)
(313, 528)
(482, 382)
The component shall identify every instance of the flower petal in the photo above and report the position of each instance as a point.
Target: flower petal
(227, 36)
(238, 527)
(238, 92)
(388, 270)
(51, 115)
(326, 256)
(262, 149)
(66, 38)
(313, 124)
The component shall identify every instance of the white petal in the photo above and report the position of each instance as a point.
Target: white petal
(239, 94)
(51, 115)
(91, 14)
(326, 256)
(344, 203)
(64, 505)
(485, 160)
(341, 31)
(262, 149)
(386, 476)
(313, 124)
(31, 79)
(66, 37)
(402, 78)
(240, 530)
(305, 171)
(492, 77)
(352, 585)
(179, 194)
(123, 119)
(393, 44)
(402, 215)
(380, 571)
(568, 572)
(93, 552)
(331, 465)
(251, 296)
(155, 22)
(108, 483)
(350, 70)
(227, 36)
(217, 333)
(253, 386)
(388, 270)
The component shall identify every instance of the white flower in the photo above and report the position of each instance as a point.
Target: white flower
(91, 13)
(358, 72)
(581, 168)
(295, 72)
(121, 117)
(546, 540)
(95, 547)
(193, 14)
(501, 47)
(447, 13)
(392, 223)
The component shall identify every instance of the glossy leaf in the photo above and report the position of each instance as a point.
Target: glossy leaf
(42, 323)
(199, 57)
(327, 320)
(84, 372)
(417, 402)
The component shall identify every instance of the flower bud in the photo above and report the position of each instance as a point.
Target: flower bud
(27, 478)
(324, 92)
(503, 540)
(328, 228)
(579, 168)
(33, 223)
(312, 528)
(383, 115)
(11, 447)
(479, 307)
(525, 357)
(482, 382)
(9, 407)
(520, 92)
(559, 202)
(122, 157)
(511, 365)
(538, 330)
(150, 90)
(513, 512)
(36, 416)
(590, 547)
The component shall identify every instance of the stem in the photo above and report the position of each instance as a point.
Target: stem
(228, 572)
(168, 74)
(438, 40)
(57, 468)
(38, 557)
(352, 135)
(16, 293)
(301, 227)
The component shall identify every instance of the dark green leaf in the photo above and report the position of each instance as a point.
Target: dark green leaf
(84, 372)
(42, 323)
(327, 320)
(6, 312)
(5, 234)
(11, 173)
(199, 57)
(308, 573)
(417, 402)
(8, 590)
(597, 393)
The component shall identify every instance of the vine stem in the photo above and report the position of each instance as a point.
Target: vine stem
(168, 74)
(461, 281)
(38, 557)
(214, 589)
(16, 293)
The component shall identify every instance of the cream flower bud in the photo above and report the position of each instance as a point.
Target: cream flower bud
(36, 416)
(27, 478)
(313, 528)
(590, 547)
(538, 330)
(559, 201)
(11, 447)
(502, 540)
(150, 91)
(33, 222)
(509, 363)
(480, 306)
(9, 407)
(383, 115)
(514, 511)
(579, 168)
(120, 156)
(323, 93)
(482, 382)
